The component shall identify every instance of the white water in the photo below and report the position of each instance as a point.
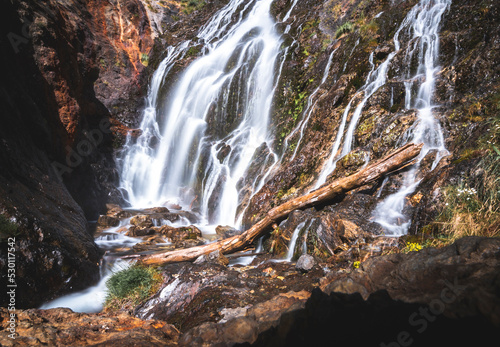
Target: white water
(422, 25)
(293, 241)
(232, 82)
(92, 299)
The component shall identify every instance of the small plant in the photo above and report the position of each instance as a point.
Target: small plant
(356, 264)
(130, 286)
(412, 247)
(7, 228)
(144, 59)
(344, 29)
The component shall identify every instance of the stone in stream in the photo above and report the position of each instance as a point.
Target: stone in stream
(305, 263)
(136, 231)
(141, 221)
(226, 231)
(178, 234)
(107, 221)
(214, 257)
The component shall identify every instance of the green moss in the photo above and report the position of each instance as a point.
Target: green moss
(193, 51)
(344, 29)
(188, 6)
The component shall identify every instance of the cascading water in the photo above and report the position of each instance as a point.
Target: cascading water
(214, 120)
(376, 78)
(92, 299)
(422, 27)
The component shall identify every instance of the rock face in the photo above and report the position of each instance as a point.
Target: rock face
(56, 148)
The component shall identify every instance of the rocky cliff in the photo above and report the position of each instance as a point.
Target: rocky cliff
(72, 72)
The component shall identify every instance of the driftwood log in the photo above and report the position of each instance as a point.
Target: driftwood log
(399, 158)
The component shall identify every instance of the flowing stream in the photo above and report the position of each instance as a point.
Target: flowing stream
(92, 299)
(423, 28)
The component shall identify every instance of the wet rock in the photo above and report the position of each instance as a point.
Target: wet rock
(142, 221)
(223, 152)
(196, 293)
(226, 231)
(215, 257)
(136, 231)
(157, 210)
(63, 327)
(349, 164)
(190, 216)
(107, 221)
(305, 263)
(173, 206)
(150, 244)
(182, 233)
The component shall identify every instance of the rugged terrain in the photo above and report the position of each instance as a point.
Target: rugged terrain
(75, 75)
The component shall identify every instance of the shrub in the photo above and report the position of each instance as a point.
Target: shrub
(473, 206)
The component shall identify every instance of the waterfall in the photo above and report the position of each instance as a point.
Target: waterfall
(198, 145)
(422, 27)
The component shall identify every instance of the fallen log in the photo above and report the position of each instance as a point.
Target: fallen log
(397, 159)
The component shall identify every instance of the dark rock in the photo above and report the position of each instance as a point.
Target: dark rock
(377, 321)
(305, 263)
(470, 268)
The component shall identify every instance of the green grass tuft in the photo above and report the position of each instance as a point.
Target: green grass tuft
(131, 286)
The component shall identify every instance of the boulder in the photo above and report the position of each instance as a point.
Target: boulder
(305, 263)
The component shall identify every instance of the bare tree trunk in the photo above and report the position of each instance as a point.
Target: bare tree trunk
(397, 159)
